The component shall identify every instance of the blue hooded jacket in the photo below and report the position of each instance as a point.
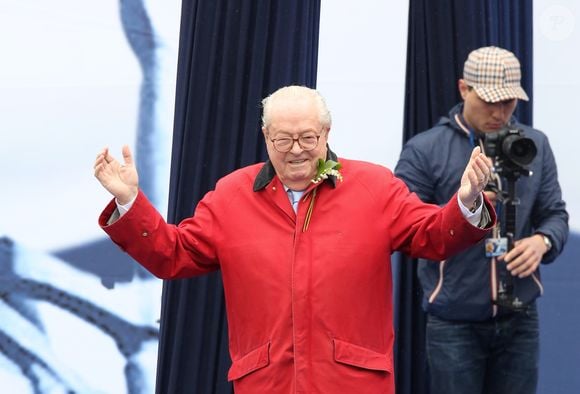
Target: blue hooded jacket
(460, 288)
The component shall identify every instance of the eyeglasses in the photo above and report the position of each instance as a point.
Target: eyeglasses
(307, 142)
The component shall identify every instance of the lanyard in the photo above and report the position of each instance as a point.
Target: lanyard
(465, 127)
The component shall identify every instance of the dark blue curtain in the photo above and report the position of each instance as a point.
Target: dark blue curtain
(232, 54)
(441, 35)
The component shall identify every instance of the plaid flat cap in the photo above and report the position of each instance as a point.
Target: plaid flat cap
(494, 73)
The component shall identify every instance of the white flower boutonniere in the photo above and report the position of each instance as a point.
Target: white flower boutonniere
(326, 168)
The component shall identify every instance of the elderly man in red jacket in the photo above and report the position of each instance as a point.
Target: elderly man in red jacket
(303, 242)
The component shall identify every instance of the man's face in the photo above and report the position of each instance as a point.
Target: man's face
(483, 116)
(294, 118)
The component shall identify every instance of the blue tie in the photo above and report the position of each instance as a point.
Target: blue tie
(294, 197)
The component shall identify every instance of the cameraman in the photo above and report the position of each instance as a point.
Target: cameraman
(473, 344)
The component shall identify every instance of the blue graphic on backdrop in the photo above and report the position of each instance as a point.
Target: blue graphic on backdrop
(23, 337)
(558, 308)
(92, 297)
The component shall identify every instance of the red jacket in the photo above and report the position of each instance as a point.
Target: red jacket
(309, 310)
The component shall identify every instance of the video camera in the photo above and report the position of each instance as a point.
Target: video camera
(511, 151)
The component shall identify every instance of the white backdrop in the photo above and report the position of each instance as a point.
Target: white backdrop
(557, 90)
(361, 73)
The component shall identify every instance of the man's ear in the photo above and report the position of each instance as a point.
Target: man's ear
(463, 88)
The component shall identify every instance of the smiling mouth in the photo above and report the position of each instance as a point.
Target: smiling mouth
(297, 161)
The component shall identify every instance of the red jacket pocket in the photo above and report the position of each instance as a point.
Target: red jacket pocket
(250, 362)
(358, 356)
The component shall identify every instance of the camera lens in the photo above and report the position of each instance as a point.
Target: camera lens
(512, 151)
(520, 150)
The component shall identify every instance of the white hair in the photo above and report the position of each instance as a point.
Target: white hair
(296, 93)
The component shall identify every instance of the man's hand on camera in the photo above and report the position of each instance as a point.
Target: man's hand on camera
(525, 257)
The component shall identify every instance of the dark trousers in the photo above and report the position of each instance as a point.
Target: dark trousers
(496, 356)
